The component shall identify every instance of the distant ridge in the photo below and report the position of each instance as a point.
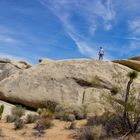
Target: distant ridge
(135, 58)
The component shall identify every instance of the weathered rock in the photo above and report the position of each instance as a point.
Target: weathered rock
(68, 81)
(5, 60)
(7, 69)
(95, 109)
(21, 64)
(8, 108)
(134, 64)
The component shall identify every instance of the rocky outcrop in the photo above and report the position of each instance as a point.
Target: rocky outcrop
(21, 64)
(8, 109)
(131, 63)
(69, 81)
(137, 58)
(8, 67)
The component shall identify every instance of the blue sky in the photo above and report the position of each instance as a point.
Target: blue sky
(66, 29)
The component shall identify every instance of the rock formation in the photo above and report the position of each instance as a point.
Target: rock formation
(133, 63)
(135, 58)
(8, 67)
(68, 81)
(8, 109)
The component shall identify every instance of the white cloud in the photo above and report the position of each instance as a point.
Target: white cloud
(7, 39)
(79, 40)
(105, 10)
(134, 25)
(98, 15)
(107, 27)
(90, 11)
(92, 29)
(134, 28)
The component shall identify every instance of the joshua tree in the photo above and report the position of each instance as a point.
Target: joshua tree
(129, 108)
(132, 75)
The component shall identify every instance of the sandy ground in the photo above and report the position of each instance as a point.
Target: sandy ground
(57, 132)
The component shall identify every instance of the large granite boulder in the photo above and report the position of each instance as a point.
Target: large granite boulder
(69, 81)
(8, 109)
(131, 63)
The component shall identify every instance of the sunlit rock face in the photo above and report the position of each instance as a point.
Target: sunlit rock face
(76, 81)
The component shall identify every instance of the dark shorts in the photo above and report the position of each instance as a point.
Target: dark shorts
(101, 56)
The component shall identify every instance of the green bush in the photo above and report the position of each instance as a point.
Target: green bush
(1, 110)
(69, 112)
(66, 116)
(62, 107)
(99, 120)
(90, 133)
(42, 124)
(50, 105)
(78, 112)
(31, 118)
(45, 113)
(115, 126)
(11, 118)
(19, 124)
(71, 125)
(18, 111)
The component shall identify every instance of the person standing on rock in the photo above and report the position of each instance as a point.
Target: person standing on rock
(101, 53)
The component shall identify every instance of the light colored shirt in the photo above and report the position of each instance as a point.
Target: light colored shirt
(101, 51)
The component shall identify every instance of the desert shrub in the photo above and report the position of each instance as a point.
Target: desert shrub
(18, 111)
(71, 125)
(66, 116)
(85, 133)
(1, 110)
(95, 120)
(78, 112)
(42, 124)
(19, 124)
(90, 133)
(69, 112)
(64, 112)
(62, 107)
(114, 90)
(39, 111)
(127, 109)
(45, 113)
(115, 126)
(11, 118)
(50, 105)
(31, 118)
(85, 110)
(99, 120)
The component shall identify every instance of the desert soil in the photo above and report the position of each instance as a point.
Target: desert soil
(57, 132)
